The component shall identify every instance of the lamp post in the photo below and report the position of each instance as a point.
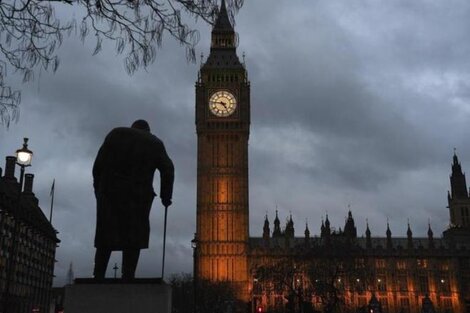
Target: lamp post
(24, 157)
(253, 300)
(194, 246)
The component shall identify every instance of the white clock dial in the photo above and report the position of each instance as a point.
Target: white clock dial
(222, 103)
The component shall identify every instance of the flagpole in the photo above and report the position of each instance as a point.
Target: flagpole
(52, 200)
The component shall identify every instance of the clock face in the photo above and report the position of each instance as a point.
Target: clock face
(222, 103)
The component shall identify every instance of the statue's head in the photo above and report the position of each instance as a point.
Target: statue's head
(141, 124)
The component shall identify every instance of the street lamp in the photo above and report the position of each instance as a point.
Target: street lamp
(24, 157)
(194, 244)
(255, 308)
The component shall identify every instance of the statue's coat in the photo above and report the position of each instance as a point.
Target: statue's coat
(123, 180)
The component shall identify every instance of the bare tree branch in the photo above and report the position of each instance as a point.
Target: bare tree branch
(30, 33)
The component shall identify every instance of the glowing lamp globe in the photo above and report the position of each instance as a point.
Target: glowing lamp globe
(24, 156)
(194, 243)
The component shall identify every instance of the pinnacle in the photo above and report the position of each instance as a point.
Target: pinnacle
(222, 22)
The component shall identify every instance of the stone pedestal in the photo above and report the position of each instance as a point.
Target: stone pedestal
(114, 295)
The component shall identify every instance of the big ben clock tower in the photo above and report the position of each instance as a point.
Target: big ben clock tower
(223, 127)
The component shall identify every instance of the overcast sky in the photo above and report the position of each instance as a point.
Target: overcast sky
(354, 103)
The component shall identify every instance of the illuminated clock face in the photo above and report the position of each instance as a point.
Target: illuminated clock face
(222, 103)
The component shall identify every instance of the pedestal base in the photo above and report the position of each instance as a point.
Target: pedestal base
(114, 295)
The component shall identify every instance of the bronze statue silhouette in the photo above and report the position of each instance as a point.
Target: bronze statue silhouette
(123, 181)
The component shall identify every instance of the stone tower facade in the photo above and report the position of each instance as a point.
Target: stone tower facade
(223, 127)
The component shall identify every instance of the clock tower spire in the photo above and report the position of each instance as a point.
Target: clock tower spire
(222, 22)
(223, 127)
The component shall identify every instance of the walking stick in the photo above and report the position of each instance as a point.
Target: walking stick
(164, 242)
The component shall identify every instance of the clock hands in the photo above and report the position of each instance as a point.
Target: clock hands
(223, 104)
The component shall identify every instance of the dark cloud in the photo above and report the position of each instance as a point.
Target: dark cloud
(353, 105)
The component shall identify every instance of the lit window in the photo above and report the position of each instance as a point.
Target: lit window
(422, 263)
(447, 304)
(380, 263)
(401, 264)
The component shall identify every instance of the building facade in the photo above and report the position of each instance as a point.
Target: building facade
(27, 246)
(401, 273)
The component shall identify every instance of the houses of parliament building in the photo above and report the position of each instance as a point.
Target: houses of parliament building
(405, 273)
